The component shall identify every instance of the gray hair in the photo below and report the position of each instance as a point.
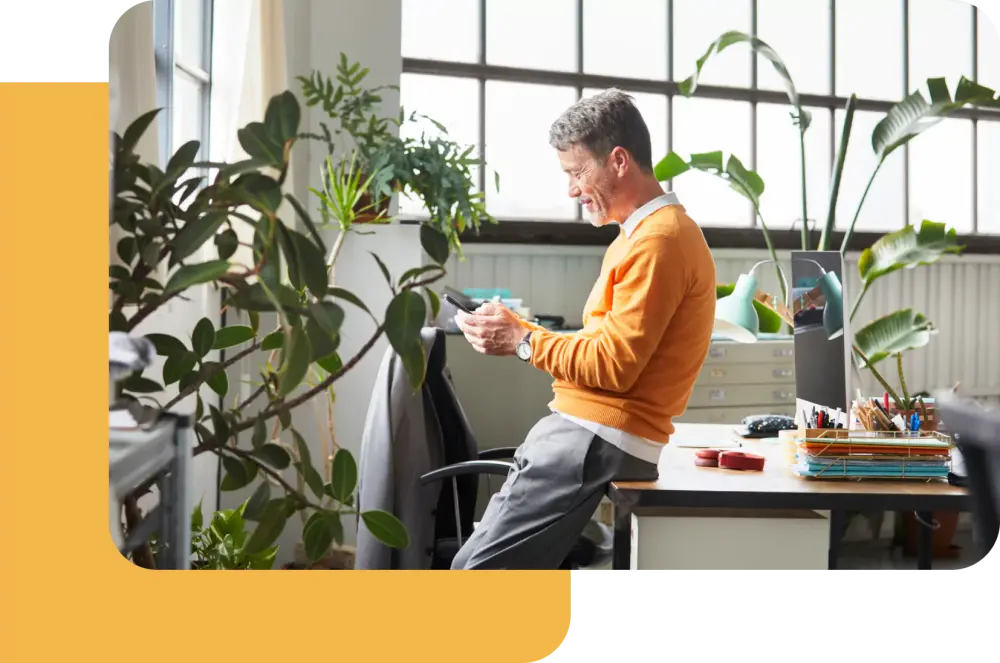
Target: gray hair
(601, 123)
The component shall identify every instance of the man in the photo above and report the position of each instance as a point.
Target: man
(618, 383)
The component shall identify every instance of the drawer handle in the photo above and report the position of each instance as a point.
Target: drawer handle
(782, 372)
(783, 352)
(784, 395)
(717, 394)
(718, 373)
(715, 353)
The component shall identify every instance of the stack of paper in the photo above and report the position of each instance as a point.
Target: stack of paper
(860, 456)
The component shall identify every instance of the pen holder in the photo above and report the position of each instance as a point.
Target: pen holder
(928, 422)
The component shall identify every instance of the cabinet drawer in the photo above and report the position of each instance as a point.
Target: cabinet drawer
(730, 415)
(733, 374)
(744, 394)
(764, 352)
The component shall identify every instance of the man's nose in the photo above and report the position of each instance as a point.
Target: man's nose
(574, 190)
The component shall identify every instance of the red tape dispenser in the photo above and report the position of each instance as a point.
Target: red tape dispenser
(729, 460)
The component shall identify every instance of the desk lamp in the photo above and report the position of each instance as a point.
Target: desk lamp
(736, 319)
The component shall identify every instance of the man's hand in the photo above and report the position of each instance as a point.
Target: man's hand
(492, 330)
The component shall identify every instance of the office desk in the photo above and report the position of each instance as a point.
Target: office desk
(684, 485)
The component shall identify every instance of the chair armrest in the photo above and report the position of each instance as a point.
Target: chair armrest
(498, 453)
(495, 467)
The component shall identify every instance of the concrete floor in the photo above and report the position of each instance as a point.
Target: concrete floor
(876, 556)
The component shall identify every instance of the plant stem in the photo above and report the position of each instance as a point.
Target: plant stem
(221, 367)
(252, 397)
(857, 213)
(881, 380)
(805, 206)
(147, 311)
(902, 380)
(857, 302)
(268, 471)
(838, 170)
(774, 256)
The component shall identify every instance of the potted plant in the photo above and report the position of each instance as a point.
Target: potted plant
(169, 220)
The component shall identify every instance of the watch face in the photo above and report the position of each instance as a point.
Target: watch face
(523, 351)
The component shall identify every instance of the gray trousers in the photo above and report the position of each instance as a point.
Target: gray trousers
(560, 473)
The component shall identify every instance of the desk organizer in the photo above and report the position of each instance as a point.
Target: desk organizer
(859, 455)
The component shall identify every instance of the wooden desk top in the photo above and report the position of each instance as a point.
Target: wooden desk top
(684, 484)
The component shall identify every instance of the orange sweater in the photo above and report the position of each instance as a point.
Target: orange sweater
(647, 326)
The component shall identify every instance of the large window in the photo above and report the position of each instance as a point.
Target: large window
(500, 71)
(183, 36)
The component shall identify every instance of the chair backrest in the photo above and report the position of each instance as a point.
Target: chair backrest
(458, 441)
(976, 432)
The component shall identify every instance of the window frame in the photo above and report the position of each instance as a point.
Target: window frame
(566, 232)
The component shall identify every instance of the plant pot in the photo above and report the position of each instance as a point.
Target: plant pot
(336, 559)
(941, 538)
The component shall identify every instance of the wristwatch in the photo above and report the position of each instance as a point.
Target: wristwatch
(523, 349)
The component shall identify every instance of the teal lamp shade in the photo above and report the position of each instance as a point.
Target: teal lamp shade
(833, 309)
(735, 316)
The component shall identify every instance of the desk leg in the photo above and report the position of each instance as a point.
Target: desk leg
(838, 523)
(925, 540)
(622, 542)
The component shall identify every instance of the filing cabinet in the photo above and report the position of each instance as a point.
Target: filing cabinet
(742, 379)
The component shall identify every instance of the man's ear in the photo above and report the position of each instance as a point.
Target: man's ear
(621, 160)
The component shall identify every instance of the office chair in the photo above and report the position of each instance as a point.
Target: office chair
(976, 433)
(464, 463)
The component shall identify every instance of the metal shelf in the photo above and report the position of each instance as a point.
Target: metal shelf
(161, 454)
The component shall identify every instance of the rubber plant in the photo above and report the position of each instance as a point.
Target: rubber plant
(179, 232)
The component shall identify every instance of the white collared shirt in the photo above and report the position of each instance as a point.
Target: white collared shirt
(633, 445)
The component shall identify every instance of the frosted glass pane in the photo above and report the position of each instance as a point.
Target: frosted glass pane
(706, 125)
(941, 175)
(989, 165)
(531, 34)
(697, 23)
(989, 52)
(883, 208)
(189, 32)
(653, 108)
(187, 116)
(870, 49)
(454, 102)
(440, 30)
(778, 164)
(804, 49)
(940, 41)
(642, 55)
(518, 118)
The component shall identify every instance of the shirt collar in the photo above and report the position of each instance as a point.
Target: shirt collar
(632, 222)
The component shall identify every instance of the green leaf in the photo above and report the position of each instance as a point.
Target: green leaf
(182, 159)
(383, 268)
(307, 220)
(344, 475)
(914, 115)
(254, 298)
(188, 379)
(140, 385)
(166, 345)
(321, 342)
(760, 47)
(117, 321)
(770, 321)
(282, 116)
(386, 528)
(135, 130)
(127, 249)
(273, 341)
(194, 234)
(301, 448)
(259, 434)
(331, 363)
(349, 296)
(319, 533)
(227, 337)
(670, 167)
(257, 503)
(217, 381)
(220, 427)
(434, 243)
(203, 337)
(417, 271)
(435, 302)
(227, 242)
(190, 275)
(257, 141)
(295, 359)
(710, 161)
(744, 181)
(905, 249)
(178, 365)
(312, 479)
(894, 333)
(285, 419)
(312, 264)
(404, 318)
(261, 191)
(236, 474)
(241, 167)
(272, 522)
(274, 455)
(328, 315)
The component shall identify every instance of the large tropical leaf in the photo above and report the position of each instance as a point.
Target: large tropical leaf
(760, 47)
(914, 115)
(907, 248)
(740, 178)
(894, 333)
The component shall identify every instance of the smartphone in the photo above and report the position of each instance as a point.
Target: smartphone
(454, 302)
